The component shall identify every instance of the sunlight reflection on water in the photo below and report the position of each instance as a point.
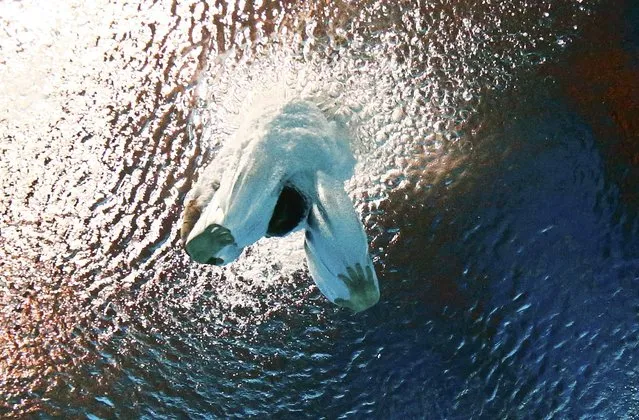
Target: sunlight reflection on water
(466, 156)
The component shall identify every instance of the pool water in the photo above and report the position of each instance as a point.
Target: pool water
(497, 178)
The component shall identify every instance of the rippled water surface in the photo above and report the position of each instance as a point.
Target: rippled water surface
(497, 178)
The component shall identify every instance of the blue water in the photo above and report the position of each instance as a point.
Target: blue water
(509, 279)
(520, 301)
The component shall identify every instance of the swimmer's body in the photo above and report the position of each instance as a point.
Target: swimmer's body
(290, 176)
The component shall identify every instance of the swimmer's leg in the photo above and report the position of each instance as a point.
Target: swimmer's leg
(239, 213)
(337, 248)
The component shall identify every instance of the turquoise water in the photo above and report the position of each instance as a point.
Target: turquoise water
(496, 180)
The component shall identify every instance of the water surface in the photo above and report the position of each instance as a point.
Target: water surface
(497, 177)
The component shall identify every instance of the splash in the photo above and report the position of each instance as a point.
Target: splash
(406, 82)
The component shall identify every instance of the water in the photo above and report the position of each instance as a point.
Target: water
(496, 178)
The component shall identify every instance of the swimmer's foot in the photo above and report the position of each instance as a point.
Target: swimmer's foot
(361, 286)
(205, 247)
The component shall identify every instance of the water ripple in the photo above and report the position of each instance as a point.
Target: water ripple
(504, 241)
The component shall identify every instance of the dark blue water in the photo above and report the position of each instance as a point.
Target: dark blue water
(517, 298)
(509, 282)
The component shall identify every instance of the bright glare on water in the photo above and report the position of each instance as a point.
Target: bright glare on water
(496, 176)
